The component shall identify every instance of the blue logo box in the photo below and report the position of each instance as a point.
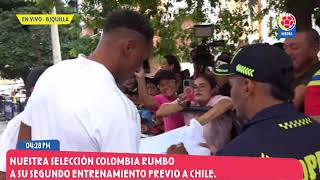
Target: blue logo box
(286, 34)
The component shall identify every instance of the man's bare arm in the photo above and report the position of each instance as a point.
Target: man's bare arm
(146, 99)
(24, 133)
(2, 175)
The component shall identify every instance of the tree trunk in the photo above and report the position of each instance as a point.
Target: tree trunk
(260, 22)
(55, 40)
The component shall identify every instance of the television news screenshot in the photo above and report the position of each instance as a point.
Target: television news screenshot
(160, 89)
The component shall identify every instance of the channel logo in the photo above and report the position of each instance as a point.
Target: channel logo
(287, 26)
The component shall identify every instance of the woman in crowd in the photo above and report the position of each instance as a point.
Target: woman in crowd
(217, 126)
(168, 86)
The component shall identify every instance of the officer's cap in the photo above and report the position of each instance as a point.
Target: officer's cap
(263, 63)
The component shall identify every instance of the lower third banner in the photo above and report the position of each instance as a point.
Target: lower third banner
(29, 164)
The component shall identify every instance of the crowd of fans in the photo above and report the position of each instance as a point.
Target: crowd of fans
(172, 97)
(243, 100)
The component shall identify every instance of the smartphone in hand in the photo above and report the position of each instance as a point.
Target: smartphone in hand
(188, 90)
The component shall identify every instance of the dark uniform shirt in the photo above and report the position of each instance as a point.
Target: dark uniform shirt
(280, 131)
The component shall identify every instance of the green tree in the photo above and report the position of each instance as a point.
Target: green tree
(21, 47)
(233, 26)
(166, 22)
(24, 47)
(302, 10)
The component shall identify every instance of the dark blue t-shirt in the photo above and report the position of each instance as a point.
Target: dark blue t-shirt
(280, 131)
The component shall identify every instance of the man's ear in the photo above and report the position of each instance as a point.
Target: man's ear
(127, 47)
(249, 86)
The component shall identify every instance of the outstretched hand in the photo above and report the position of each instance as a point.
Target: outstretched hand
(177, 149)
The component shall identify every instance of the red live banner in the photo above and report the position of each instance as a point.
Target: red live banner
(31, 164)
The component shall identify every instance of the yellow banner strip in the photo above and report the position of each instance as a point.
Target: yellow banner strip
(44, 19)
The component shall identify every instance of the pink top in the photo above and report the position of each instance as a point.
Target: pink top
(170, 122)
(217, 132)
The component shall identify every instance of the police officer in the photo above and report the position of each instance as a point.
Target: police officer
(260, 90)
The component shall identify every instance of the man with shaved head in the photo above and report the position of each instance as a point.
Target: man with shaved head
(261, 91)
(103, 119)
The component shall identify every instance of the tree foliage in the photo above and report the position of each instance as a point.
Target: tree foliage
(21, 47)
(24, 47)
(232, 24)
(165, 19)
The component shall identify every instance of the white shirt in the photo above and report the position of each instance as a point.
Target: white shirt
(9, 138)
(78, 103)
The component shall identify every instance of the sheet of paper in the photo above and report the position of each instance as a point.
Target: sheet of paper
(190, 136)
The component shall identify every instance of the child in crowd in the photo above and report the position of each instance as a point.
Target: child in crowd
(168, 86)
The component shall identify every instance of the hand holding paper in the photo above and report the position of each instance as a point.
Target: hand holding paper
(191, 136)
